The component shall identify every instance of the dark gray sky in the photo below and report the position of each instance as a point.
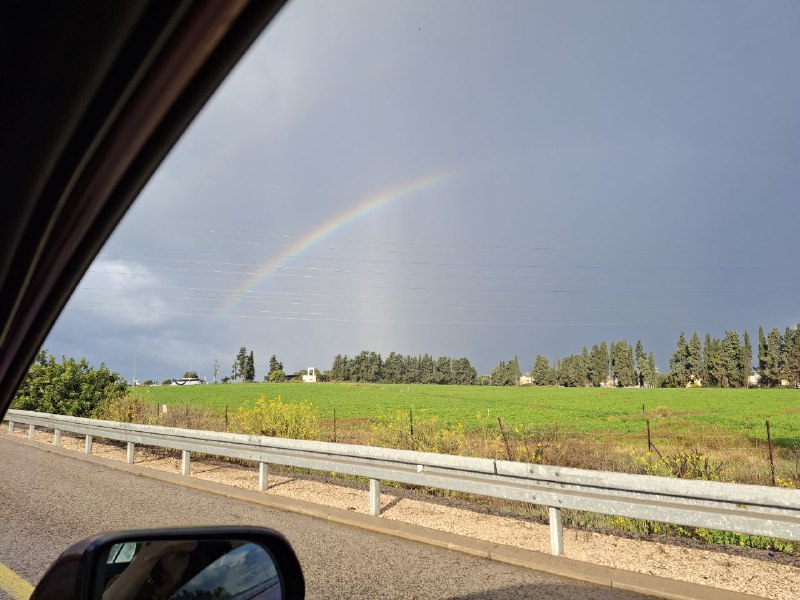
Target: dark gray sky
(572, 172)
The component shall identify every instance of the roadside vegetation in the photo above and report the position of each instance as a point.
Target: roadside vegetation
(694, 433)
(733, 458)
(67, 387)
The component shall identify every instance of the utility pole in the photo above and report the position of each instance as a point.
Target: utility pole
(216, 369)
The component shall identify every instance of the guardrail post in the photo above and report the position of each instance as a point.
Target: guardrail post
(556, 531)
(57, 437)
(131, 450)
(11, 427)
(88, 448)
(262, 476)
(31, 431)
(375, 497)
(186, 466)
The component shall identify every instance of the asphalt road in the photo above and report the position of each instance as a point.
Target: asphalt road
(49, 501)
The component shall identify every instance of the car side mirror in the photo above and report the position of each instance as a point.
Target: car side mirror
(217, 563)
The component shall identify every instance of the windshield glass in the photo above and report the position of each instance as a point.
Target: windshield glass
(538, 234)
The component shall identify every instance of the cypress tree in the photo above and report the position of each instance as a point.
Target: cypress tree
(678, 374)
(694, 358)
(746, 360)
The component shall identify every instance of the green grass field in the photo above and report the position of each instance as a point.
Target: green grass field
(685, 414)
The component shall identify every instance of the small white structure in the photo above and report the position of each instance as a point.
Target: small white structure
(310, 376)
(526, 380)
(754, 379)
(609, 382)
(188, 381)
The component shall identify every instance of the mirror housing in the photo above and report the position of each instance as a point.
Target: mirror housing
(80, 573)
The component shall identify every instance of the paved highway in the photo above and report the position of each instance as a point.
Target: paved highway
(48, 501)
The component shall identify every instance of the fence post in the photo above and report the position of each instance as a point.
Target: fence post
(649, 442)
(505, 439)
(263, 472)
(31, 431)
(131, 451)
(57, 437)
(11, 427)
(375, 497)
(556, 531)
(771, 459)
(88, 448)
(186, 466)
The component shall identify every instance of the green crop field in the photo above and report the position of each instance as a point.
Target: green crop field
(684, 413)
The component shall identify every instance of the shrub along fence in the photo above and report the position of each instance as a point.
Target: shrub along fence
(756, 510)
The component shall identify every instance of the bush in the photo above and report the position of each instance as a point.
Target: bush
(277, 376)
(67, 387)
(430, 435)
(124, 409)
(276, 418)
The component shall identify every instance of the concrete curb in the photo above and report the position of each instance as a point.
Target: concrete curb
(651, 585)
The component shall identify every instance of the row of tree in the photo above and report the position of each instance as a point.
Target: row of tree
(727, 362)
(369, 367)
(244, 368)
(710, 362)
(621, 365)
(506, 373)
(714, 362)
(779, 357)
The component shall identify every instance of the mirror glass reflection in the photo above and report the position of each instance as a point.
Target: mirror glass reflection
(187, 570)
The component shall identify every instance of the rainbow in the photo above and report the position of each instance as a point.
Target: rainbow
(362, 208)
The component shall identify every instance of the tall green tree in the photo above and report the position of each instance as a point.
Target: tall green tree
(411, 369)
(731, 360)
(337, 372)
(443, 370)
(746, 360)
(678, 367)
(645, 367)
(571, 371)
(427, 369)
(239, 364)
(694, 358)
(622, 364)
(585, 367)
(463, 373)
(276, 365)
(792, 367)
(249, 371)
(393, 368)
(277, 375)
(771, 374)
(542, 374)
(651, 376)
(598, 364)
(786, 351)
(762, 353)
(506, 373)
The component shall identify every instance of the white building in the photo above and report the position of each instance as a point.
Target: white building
(187, 381)
(310, 376)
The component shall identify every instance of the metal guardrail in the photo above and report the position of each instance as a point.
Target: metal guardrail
(751, 509)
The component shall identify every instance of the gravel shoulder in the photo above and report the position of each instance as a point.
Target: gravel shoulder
(766, 574)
